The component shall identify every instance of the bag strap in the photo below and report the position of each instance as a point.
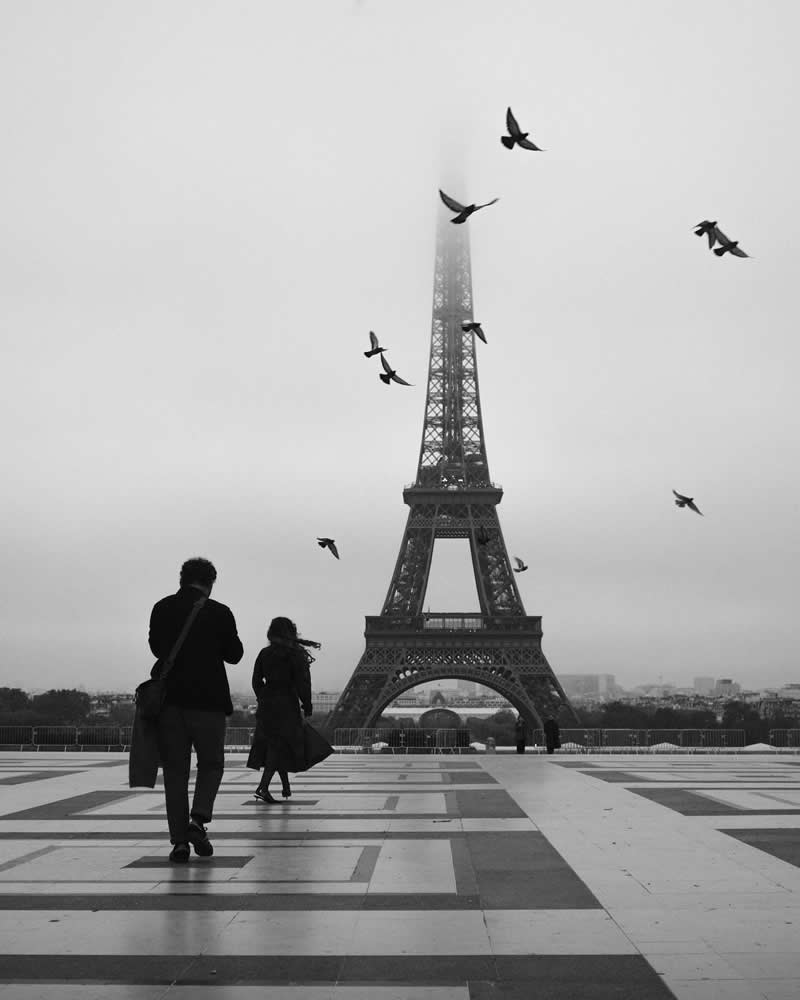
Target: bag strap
(169, 662)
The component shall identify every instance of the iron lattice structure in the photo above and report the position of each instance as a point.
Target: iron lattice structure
(453, 497)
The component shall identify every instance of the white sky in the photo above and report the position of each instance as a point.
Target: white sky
(207, 205)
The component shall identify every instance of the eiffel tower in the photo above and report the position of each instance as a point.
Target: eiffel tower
(452, 497)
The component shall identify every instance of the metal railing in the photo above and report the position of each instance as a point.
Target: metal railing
(784, 737)
(606, 739)
(239, 738)
(93, 737)
(403, 740)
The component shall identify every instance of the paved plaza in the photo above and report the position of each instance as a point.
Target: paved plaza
(394, 877)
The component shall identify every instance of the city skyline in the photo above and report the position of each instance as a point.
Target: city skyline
(195, 252)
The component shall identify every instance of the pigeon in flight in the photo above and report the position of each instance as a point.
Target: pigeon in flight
(376, 348)
(475, 328)
(682, 501)
(516, 135)
(482, 535)
(464, 211)
(328, 543)
(727, 246)
(388, 375)
(709, 229)
(520, 567)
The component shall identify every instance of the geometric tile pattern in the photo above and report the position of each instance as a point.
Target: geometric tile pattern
(422, 877)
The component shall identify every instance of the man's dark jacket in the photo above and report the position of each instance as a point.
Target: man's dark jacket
(198, 679)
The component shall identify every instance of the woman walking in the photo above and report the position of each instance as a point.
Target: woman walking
(282, 683)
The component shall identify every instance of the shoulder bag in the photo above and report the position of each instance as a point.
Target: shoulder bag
(150, 693)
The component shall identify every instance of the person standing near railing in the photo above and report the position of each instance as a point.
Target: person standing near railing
(520, 734)
(552, 735)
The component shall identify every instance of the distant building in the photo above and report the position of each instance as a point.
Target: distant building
(704, 685)
(324, 701)
(466, 687)
(726, 688)
(579, 686)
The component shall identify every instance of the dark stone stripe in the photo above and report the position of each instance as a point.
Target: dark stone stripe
(783, 844)
(618, 777)
(466, 882)
(276, 811)
(470, 778)
(365, 866)
(252, 835)
(550, 977)
(524, 871)
(689, 803)
(218, 861)
(67, 808)
(21, 779)
(252, 902)
(487, 804)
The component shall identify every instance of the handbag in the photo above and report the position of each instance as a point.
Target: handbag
(150, 694)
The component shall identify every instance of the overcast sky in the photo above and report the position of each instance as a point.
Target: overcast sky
(205, 208)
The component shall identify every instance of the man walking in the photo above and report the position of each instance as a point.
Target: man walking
(196, 703)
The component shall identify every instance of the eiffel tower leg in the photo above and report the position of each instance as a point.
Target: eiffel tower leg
(398, 658)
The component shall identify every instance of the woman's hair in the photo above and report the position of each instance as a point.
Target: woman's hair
(282, 628)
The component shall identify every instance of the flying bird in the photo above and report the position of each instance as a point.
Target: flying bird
(376, 348)
(475, 328)
(328, 543)
(516, 135)
(682, 501)
(389, 375)
(709, 229)
(464, 211)
(726, 245)
(520, 567)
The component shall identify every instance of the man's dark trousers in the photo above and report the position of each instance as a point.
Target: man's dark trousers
(178, 730)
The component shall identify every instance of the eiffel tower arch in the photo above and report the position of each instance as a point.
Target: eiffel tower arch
(452, 497)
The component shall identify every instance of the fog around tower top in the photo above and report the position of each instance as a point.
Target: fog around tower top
(207, 207)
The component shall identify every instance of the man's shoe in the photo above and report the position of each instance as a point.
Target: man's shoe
(179, 854)
(198, 838)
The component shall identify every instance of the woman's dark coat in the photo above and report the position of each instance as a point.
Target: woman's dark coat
(281, 682)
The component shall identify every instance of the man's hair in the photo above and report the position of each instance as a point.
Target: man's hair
(282, 628)
(198, 570)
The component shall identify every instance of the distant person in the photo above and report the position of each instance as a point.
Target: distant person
(281, 683)
(552, 735)
(197, 700)
(520, 733)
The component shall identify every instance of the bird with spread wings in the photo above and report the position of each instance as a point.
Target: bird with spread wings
(683, 501)
(389, 374)
(516, 136)
(464, 211)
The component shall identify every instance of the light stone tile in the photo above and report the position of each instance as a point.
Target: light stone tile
(555, 932)
(443, 932)
(685, 967)
(414, 866)
(322, 932)
(70, 932)
(714, 989)
(780, 989)
(757, 965)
